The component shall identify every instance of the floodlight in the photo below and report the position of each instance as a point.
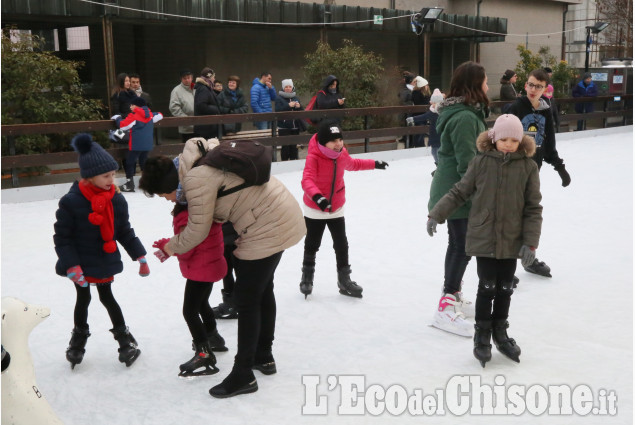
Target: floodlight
(429, 15)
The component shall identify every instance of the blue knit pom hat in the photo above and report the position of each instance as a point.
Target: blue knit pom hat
(93, 159)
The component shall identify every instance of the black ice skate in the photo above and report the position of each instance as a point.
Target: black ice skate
(482, 337)
(76, 346)
(128, 351)
(515, 282)
(346, 285)
(216, 341)
(539, 268)
(306, 283)
(128, 186)
(506, 345)
(226, 309)
(203, 363)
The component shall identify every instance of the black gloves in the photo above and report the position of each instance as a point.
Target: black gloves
(564, 175)
(321, 201)
(380, 165)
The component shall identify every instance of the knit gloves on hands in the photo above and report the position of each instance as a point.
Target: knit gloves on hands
(431, 226)
(527, 255)
(160, 253)
(144, 270)
(564, 175)
(380, 165)
(321, 201)
(76, 274)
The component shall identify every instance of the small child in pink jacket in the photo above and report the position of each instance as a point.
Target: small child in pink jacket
(324, 198)
(201, 266)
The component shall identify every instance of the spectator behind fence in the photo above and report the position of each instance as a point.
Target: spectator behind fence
(329, 97)
(122, 96)
(287, 101)
(206, 103)
(585, 88)
(135, 85)
(232, 101)
(182, 103)
(262, 93)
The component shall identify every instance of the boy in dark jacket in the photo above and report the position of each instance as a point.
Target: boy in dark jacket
(535, 115)
(92, 217)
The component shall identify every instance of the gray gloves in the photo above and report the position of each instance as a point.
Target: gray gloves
(527, 255)
(431, 226)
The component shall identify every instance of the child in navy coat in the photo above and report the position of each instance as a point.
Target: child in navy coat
(92, 217)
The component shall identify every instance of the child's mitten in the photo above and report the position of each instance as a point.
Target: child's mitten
(527, 255)
(321, 201)
(144, 270)
(380, 165)
(76, 274)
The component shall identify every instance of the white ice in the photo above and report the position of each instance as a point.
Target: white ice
(575, 328)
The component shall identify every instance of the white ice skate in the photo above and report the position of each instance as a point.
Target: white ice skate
(467, 306)
(450, 318)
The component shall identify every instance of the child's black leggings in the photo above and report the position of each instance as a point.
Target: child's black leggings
(313, 240)
(495, 286)
(106, 297)
(197, 312)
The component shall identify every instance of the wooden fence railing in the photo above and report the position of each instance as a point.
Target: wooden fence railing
(612, 108)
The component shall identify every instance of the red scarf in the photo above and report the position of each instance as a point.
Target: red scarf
(103, 214)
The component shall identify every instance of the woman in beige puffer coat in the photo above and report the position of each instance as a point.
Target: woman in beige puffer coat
(267, 219)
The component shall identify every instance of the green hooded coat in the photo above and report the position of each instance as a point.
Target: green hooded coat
(459, 126)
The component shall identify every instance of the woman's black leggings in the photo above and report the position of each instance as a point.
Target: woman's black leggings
(106, 297)
(315, 231)
(197, 312)
(456, 260)
(256, 305)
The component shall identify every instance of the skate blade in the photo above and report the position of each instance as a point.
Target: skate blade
(453, 332)
(351, 294)
(191, 375)
(130, 361)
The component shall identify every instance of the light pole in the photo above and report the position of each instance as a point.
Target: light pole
(595, 29)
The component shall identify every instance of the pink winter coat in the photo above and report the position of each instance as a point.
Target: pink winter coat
(326, 176)
(205, 262)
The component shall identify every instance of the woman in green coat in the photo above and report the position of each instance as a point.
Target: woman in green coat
(461, 120)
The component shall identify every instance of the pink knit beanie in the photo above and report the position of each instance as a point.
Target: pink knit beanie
(506, 126)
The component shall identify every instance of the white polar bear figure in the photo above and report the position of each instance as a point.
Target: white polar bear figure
(22, 401)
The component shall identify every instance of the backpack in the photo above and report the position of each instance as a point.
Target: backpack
(311, 105)
(248, 159)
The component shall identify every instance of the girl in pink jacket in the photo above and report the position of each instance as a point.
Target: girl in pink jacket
(324, 198)
(201, 266)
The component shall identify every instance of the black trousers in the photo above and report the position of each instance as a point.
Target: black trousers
(313, 240)
(456, 260)
(289, 152)
(256, 305)
(80, 316)
(495, 285)
(197, 312)
(131, 162)
(228, 280)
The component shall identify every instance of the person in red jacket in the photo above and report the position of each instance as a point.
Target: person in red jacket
(324, 198)
(201, 266)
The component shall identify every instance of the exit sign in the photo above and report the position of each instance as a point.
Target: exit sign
(378, 19)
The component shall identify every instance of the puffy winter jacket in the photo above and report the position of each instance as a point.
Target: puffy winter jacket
(232, 103)
(267, 218)
(580, 90)
(459, 125)
(326, 176)
(140, 122)
(78, 242)
(206, 261)
(261, 96)
(205, 103)
(182, 105)
(505, 193)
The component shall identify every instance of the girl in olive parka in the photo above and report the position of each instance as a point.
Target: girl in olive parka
(504, 224)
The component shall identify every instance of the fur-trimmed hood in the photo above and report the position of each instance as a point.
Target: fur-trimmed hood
(527, 145)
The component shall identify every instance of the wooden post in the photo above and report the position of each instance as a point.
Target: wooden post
(109, 52)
